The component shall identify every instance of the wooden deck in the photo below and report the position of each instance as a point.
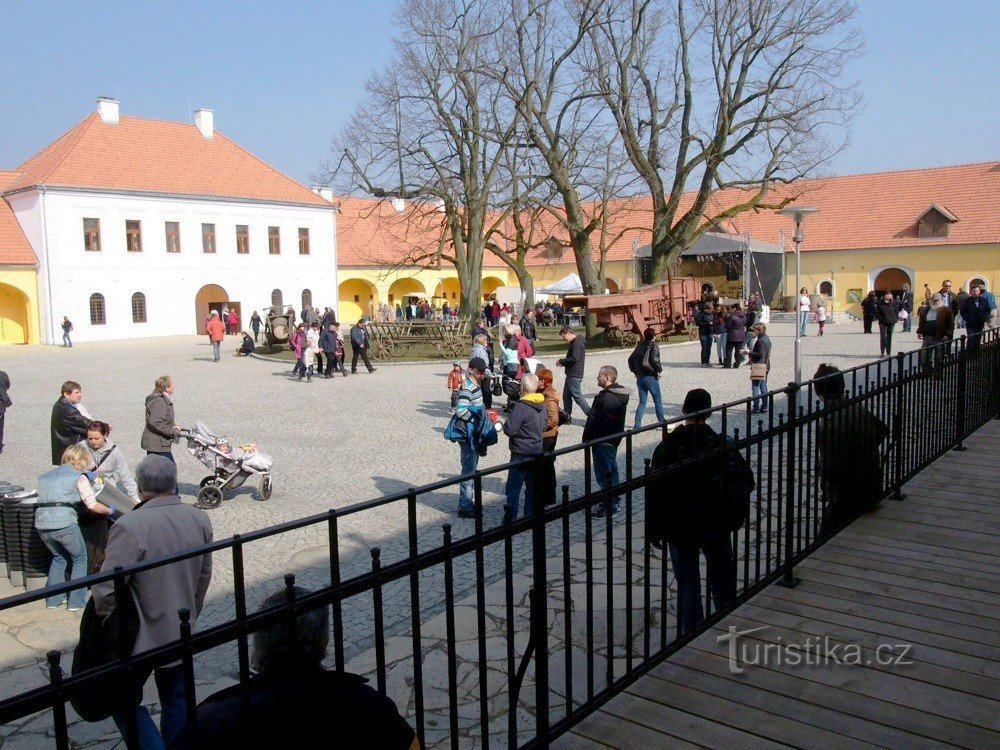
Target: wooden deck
(924, 572)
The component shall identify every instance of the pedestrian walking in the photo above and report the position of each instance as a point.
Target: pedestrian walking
(455, 378)
(309, 351)
(360, 346)
(5, 402)
(760, 366)
(887, 315)
(524, 428)
(233, 321)
(821, 316)
(216, 331)
(606, 418)
(644, 363)
(906, 306)
(67, 327)
(297, 341)
(255, 325)
(936, 325)
(804, 307)
(719, 332)
(161, 428)
(469, 410)
(573, 364)
(736, 331)
(60, 492)
(704, 319)
(868, 305)
(976, 313)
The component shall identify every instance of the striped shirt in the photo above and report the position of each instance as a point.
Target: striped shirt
(470, 399)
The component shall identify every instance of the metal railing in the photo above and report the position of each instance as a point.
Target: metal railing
(563, 609)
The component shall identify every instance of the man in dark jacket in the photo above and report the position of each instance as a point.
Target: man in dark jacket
(644, 363)
(524, 427)
(67, 426)
(935, 325)
(328, 344)
(606, 417)
(906, 303)
(528, 329)
(886, 314)
(868, 310)
(360, 345)
(573, 363)
(704, 319)
(736, 333)
(674, 502)
(4, 402)
(975, 313)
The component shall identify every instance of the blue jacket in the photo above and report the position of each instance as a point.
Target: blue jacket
(58, 498)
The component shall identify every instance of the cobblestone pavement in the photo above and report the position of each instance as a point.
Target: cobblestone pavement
(335, 443)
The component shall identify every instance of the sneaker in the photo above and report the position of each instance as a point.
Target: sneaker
(55, 606)
(77, 609)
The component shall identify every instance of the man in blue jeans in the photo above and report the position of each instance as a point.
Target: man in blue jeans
(573, 363)
(524, 427)
(606, 418)
(160, 526)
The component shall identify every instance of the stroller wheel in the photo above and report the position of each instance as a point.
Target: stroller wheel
(209, 496)
(207, 480)
(265, 488)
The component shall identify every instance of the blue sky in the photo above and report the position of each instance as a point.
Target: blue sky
(283, 77)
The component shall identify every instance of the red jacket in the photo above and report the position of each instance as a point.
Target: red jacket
(215, 329)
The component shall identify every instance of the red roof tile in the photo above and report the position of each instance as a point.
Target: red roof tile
(157, 156)
(14, 247)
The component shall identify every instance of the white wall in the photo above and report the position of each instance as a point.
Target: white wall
(170, 281)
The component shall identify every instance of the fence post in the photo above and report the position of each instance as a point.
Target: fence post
(187, 667)
(897, 429)
(788, 579)
(539, 623)
(58, 707)
(960, 390)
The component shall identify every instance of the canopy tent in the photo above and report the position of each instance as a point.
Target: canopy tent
(568, 284)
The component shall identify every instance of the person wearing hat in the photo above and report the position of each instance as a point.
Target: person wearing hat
(216, 331)
(455, 378)
(469, 408)
(936, 325)
(673, 499)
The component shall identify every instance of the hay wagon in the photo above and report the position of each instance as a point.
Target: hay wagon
(451, 338)
(662, 307)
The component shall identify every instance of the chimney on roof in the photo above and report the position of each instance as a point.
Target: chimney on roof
(324, 192)
(107, 108)
(204, 120)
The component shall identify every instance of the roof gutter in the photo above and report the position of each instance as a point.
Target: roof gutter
(325, 205)
(48, 267)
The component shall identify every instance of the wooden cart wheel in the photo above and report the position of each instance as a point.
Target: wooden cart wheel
(613, 334)
(677, 318)
(629, 339)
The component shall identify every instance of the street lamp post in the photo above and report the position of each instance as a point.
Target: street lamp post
(798, 215)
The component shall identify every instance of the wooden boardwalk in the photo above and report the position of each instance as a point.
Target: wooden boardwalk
(923, 573)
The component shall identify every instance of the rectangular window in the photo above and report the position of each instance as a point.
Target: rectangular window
(208, 238)
(303, 241)
(133, 236)
(242, 239)
(173, 230)
(274, 240)
(92, 235)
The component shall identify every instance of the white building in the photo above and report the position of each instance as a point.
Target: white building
(142, 226)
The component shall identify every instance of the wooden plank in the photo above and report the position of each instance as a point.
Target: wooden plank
(923, 555)
(673, 723)
(620, 733)
(573, 741)
(762, 722)
(798, 685)
(909, 577)
(751, 694)
(936, 517)
(924, 571)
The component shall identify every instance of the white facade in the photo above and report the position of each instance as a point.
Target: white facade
(52, 219)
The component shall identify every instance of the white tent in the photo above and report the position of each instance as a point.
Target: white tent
(569, 284)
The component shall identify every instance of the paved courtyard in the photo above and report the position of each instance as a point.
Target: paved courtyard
(335, 443)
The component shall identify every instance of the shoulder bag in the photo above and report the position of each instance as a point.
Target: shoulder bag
(758, 371)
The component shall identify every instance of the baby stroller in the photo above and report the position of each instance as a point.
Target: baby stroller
(231, 465)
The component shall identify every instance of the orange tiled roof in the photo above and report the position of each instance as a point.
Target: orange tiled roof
(157, 156)
(14, 247)
(866, 211)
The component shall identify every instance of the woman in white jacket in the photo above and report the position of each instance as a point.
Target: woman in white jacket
(310, 350)
(108, 460)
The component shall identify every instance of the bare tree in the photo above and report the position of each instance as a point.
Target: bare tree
(721, 94)
(433, 131)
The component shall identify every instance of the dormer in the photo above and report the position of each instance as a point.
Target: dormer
(553, 249)
(935, 222)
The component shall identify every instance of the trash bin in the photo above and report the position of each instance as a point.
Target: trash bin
(5, 487)
(12, 538)
(35, 556)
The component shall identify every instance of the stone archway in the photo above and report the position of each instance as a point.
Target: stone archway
(402, 287)
(490, 285)
(611, 285)
(449, 289)
(891, 279)
(13, 315)
(209, 297)
(356, 297)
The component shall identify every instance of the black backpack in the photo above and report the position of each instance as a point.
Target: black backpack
(728, 493)
(103, 642)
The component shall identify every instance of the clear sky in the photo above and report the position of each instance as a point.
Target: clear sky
(283, 77)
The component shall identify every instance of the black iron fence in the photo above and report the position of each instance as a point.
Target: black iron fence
(509, 633)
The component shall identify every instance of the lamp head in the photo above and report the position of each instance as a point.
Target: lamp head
(798, 215)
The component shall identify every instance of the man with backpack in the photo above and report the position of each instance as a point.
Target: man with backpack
(696, 508)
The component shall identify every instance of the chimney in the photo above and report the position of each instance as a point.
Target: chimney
(204, 120)
(324, 192)
(107, 108)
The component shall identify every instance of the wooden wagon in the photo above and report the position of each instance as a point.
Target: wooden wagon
(451, 338)
(662, 307)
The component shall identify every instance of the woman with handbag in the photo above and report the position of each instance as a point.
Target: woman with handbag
(644, 363)
(760, 365)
